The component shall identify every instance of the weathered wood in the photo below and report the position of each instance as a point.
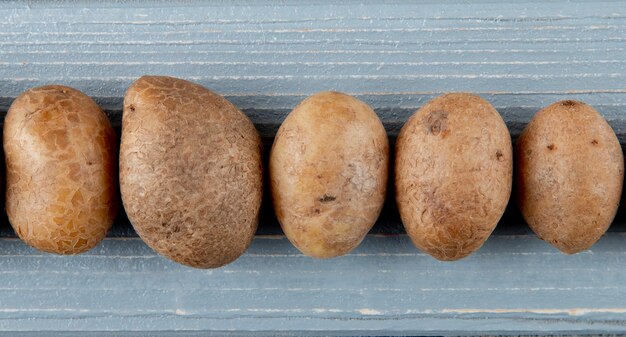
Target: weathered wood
(515, 284)
(266, 57)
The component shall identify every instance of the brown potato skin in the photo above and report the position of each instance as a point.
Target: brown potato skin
(61, 159)
(328, 171)
(569, 175)
(453, 174)
(191, 175)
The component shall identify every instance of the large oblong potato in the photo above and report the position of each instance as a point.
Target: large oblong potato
(453, 174)
(61, 150)
(190, 171)
(328, 172)
(569, 175)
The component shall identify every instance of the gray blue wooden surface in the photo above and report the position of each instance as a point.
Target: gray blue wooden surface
(266, 56)
(514, 285)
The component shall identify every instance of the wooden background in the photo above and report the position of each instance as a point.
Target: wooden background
(266, 56)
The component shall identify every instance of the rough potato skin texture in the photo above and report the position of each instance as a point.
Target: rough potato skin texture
(328, 171)
(453, 174)
(61, 154)
(190, 171)
(569, 175)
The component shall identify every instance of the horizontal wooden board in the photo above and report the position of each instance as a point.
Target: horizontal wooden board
(515, 284)
(267, 56)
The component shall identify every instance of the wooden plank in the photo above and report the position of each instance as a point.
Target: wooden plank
(514, 284)
(267, 56)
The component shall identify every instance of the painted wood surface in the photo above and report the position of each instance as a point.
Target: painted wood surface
(266, 56)
(514, 285)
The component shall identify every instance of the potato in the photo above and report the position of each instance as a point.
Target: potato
(453, 174)
(190, 171)
(569, 175)
(61, 177)
(328, 171)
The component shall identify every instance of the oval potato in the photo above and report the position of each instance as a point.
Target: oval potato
(569, 175)
(328, 171)
(190, 171)
(453, 174)
(60, 150)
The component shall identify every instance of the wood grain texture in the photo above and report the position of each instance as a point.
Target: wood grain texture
(515, 284)
(266, 56)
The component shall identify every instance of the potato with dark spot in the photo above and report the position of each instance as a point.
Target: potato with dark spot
(569, 175)
(61, 159)
(453, 174)
(190, 171)
(328, 170)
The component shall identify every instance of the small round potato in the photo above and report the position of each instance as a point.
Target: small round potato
(190, 171)
(61, 157)
(453, 174)
(569, 175)
(328, 171)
